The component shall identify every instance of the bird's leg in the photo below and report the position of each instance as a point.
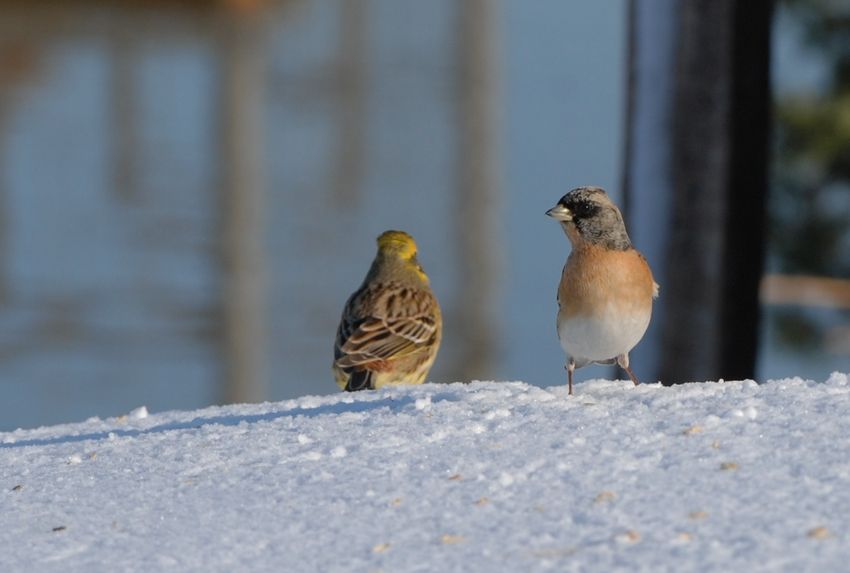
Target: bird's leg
(632, 375)
(571, 366)
(623, 361)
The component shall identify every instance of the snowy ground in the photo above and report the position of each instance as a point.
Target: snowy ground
(728, 476)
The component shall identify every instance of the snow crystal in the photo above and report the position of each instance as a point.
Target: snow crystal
(838, 379)
(477, 429)
(139, 413)
(498, 413)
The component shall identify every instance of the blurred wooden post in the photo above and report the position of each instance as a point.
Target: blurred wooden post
(350, 156)
(19, 62)
(124, 127)
(241, 204)
(478, 189)
(5, 231)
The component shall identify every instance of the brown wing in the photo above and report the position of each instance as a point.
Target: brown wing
(383, 325)
(379, 340)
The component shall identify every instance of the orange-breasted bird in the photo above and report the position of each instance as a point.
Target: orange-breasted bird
(606, 290)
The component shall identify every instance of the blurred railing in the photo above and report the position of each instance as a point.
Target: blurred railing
(805, 291)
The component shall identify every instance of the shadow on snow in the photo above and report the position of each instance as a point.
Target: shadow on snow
(392, 403)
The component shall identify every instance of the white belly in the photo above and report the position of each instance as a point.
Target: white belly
(596, 339)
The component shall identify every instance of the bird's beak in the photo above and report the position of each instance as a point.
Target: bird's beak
(560, 213)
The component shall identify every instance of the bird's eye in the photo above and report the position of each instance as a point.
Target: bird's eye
(582, 209)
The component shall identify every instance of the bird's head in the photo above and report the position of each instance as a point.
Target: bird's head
(398, 246)
(588, 215)
(398, 243)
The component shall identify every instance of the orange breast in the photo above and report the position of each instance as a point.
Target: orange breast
(597, 280)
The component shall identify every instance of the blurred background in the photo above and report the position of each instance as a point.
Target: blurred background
(190, 189)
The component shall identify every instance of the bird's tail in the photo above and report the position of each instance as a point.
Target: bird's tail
(360, 380)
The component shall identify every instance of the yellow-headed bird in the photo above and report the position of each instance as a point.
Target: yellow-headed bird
(391, 326)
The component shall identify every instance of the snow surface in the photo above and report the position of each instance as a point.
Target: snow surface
(486, 476)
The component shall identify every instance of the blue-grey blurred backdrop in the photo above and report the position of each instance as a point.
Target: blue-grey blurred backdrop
(189, 192)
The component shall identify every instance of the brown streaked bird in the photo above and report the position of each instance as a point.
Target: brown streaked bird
(391, 326)
(606, 289)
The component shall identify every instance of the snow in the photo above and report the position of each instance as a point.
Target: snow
(487, 476)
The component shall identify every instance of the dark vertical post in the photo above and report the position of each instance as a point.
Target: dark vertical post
(747, 188)
(719, 162)
(700, 153)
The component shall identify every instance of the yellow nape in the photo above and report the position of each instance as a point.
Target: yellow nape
(398, 242)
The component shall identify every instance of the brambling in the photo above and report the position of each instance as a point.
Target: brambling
(606, 289)
(391, 326)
